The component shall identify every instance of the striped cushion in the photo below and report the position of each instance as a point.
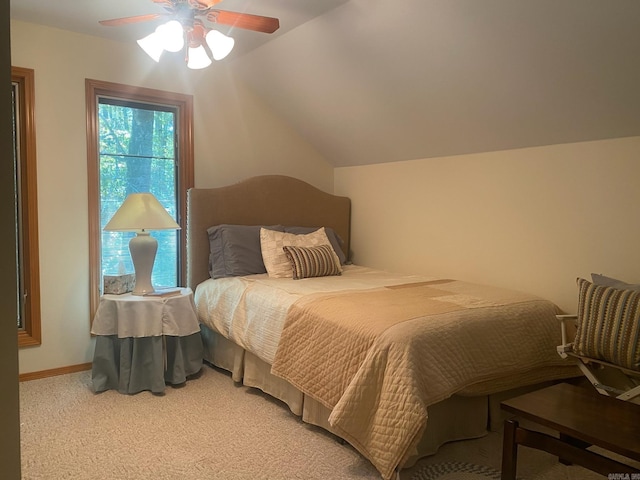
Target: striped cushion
(275, 261)
(608, 324)
(319, 261)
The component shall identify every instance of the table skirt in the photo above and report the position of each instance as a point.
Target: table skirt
(133, 364)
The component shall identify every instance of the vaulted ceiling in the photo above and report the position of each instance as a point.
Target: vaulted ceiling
(369, 81)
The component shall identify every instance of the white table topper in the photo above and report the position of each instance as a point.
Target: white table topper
(137, 316)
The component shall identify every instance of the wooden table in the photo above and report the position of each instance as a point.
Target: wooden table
(582, 417)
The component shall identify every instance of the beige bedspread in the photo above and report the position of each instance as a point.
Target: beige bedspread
(379, 358)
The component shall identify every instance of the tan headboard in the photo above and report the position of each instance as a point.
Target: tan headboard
(263, 200)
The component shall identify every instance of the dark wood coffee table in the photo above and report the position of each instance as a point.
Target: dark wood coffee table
(582, 418)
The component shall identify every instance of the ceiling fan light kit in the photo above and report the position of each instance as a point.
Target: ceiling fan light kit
(184, 32)
(170, 36)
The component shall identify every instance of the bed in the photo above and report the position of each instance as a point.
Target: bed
(394, 364)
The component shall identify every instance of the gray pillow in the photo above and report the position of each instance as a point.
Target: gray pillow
(604, 281)
(334, 239)
(234, 250)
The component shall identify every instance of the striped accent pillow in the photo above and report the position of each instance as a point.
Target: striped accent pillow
(608, 324)
(318, 261)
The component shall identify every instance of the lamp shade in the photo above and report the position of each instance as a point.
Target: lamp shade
(198, 58)
(172, 36)
(152, 45)
(219, 44)
(141, 211)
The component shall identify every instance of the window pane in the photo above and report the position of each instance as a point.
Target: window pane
(15, 92)
(137, 154)
(25, 188)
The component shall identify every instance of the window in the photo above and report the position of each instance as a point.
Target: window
(137, 154)
(24, 148)
(139, 140)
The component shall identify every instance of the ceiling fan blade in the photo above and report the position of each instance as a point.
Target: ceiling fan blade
(247, 21)
(126, 20)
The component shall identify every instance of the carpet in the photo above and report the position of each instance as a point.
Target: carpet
(456, 471)
(213, 429)
(210, 429)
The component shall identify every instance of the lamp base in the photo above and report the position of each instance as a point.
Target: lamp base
(143, 248)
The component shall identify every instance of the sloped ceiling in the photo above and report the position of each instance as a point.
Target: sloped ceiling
(379, 81)
(369, 81)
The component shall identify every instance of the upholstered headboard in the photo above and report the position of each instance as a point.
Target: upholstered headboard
(263, 200)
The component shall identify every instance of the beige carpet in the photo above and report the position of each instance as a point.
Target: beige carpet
(212, 429)
(487, 452)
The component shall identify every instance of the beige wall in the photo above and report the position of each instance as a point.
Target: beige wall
(531, 219)
(236, 137)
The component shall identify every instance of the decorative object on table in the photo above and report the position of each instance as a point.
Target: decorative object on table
(140, 213)
(118, 284)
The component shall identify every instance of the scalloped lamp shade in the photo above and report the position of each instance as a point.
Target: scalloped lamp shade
(152, 45)
(219, 44)
(198, 58)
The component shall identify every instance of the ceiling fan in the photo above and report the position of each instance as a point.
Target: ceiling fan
(188, 29)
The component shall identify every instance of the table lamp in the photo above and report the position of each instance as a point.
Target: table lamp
(139, 213)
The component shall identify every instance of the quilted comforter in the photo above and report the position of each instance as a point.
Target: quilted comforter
(379, 358)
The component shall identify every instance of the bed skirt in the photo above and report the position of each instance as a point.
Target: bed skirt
(457, 418)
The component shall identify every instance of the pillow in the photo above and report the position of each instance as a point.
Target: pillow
(334, 239)
(598, 279)
(608, 324)
(309, 262)
(275, 260)
(235, 250)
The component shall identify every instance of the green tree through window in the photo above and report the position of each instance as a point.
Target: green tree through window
(137, 154)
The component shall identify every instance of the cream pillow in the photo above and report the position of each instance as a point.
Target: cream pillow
(276, 261)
